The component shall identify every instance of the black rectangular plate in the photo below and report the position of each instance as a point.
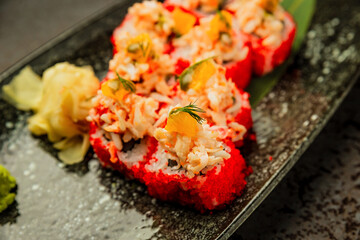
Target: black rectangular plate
(87, 202)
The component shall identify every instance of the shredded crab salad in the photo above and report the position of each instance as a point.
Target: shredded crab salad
(192, 144)
(262, 18)
(205, 83)
(120, 112)
(216, 35)
(143, 62)
(149, 17)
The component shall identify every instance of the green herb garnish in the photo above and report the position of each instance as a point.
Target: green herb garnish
(127, 84)
(191, 109)
(185, 77)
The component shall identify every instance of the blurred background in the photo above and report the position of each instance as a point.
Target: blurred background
(26, 25)
(318, 199)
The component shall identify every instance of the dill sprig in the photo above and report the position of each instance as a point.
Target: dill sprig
(192, 110)
(127, 84)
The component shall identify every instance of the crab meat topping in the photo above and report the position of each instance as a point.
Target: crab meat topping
(131, 117)
(149, 17)
(261, 18)
(142, 61)
(215, 36)
(217, 96)
(193, 153)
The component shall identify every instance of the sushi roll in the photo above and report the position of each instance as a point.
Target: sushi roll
(141, 60)
(216, 35)
(148, 17)
(122, 126)
(193, 164)
(224, 104)
(270, 28)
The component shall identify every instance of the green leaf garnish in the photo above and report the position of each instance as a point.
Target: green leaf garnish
(127, 84)
(191, 109)
(302, 12)
(185, 77)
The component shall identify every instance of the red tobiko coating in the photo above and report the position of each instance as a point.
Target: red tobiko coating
(168, 47)
(211, 191)
(282, 53)
(240, 71)
(181, 65)
(265, 59)
(244, 116)
(107, 154)
(113, 42)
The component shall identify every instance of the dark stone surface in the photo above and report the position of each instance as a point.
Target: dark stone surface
(320, 197)
(88, 202)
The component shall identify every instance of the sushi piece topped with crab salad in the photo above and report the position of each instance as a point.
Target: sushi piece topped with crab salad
(217, 35)
(224, 104)
(149, 17)
(122, 126)
(194, 164)
(142, 61)
(270, 28)
(141, 46)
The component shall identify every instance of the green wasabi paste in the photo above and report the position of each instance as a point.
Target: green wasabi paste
(7, 182)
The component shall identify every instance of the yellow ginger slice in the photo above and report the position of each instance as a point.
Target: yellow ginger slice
(63, 100)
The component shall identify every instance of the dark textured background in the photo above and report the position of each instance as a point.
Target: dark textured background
(319, 198)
